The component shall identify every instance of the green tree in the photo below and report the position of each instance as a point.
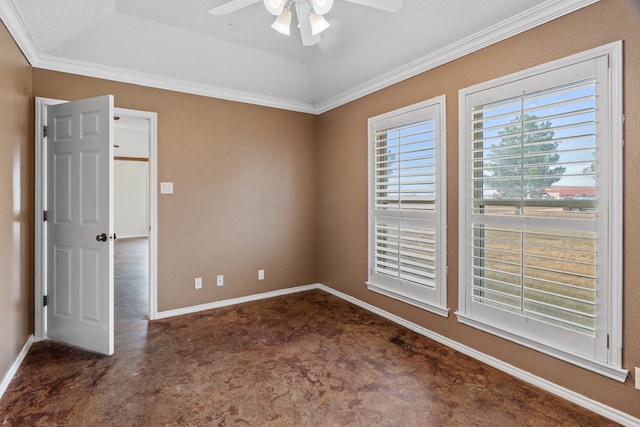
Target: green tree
(591, 169)
(525, 156)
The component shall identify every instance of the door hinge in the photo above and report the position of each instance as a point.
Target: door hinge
(45, 216)
(607, 341)
(44, 131)
(44, 300)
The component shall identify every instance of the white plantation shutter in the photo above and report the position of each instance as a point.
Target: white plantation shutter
(537, 201)
(539, 262)
(407, 238)
(405, 167)
(405, 252)
(544, 274)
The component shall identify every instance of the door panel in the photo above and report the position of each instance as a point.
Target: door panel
(62, 282)
(90, 206)
(80, 266)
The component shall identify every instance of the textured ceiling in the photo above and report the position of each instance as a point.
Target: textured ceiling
(178, 45)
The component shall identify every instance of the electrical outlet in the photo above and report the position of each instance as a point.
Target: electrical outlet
(260, 274)
(220, 280)
(198, 282)
(637, 378)
(166, 188)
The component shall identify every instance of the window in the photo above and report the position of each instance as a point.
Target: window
(407, 218)
(541, 209)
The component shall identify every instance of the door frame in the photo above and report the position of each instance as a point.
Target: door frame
(40, 205)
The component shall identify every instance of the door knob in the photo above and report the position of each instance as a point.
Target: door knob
(101, 237)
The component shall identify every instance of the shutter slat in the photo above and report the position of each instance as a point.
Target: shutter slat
(556, 271)
(404, 162)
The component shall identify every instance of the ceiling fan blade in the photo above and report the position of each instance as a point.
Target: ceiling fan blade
(302, 12)
(385, 5)
(231, 6)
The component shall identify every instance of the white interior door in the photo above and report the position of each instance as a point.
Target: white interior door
(80, 223)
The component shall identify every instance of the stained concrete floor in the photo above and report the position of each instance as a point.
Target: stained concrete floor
(308, 359)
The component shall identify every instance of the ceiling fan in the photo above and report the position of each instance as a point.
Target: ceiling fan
(309, 13)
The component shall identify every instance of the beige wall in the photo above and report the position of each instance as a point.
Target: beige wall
(16, 195)
(244, 189)
(342, 185)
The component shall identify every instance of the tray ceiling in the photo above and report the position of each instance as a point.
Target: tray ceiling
(177, 45)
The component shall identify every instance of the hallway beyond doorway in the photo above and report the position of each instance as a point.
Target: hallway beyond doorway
(130, 264)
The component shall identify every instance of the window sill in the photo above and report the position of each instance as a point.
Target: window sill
(601, 368)
(442, 311)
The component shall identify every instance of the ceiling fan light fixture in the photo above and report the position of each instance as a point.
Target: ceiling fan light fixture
(282, 24)
(275, 7)
(318, 23)
(321, 6)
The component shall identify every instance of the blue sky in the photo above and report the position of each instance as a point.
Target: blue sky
(571, 111)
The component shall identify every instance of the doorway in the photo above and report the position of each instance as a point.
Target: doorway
(150, 121)
(131, 220)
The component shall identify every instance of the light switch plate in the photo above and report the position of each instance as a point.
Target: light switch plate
(166, 188)
(637, 378)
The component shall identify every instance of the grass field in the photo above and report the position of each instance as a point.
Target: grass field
(547, 274)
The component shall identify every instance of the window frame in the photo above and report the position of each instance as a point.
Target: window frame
(435, 300)
(614, 117)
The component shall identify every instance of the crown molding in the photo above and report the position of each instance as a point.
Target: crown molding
(18, 30)
(532, 18)
(517, 24)
(160, 82)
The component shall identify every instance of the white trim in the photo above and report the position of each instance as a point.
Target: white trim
(609, 371)
(462, 201)
(612, 367)
(40, 194)
(153, 203)
(18, 30)
(153, 216)
(48, 62)
(545, 12)
(616, 192)
(234, 301)
(429, 299)
(613, 49)
(40, 204)
(441, 311)
(16, 364)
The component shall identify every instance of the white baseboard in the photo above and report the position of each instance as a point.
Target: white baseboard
(580, 400)
(233, 301)
(16, 364)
